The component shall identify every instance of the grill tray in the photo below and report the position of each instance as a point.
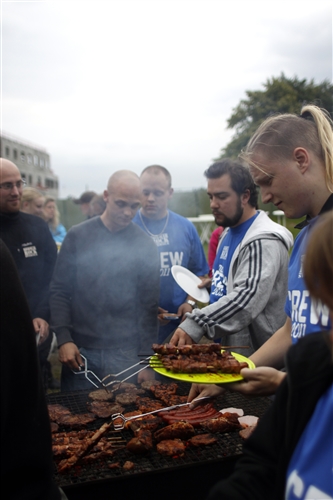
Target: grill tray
(228, 445)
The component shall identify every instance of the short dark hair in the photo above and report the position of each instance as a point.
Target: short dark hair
(241, 179)
(157, 169)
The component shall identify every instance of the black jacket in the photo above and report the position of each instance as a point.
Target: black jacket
(25, 444)
(31, 244)
(260, 473)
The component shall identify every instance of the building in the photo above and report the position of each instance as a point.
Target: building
(33, 162)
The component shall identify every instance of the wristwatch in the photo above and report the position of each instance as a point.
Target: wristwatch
(192, 303)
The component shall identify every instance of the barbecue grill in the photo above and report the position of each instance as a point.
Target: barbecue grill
(192, 474)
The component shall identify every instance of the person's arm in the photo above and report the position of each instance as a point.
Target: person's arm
(261, 381)
(61, 290)
(41, 328)
(147, 296)
(60, 234)
(186, 307)
(269, 359)
(69, 355)
(49, 257)
(273, 351)
(251, 292)
(204, 390)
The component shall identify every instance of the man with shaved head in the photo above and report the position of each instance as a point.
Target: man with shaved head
(30, 242)
(105, 290)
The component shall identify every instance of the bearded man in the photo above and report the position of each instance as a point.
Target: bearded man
(250, 271)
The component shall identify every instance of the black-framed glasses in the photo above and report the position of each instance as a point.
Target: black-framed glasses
(8, 186)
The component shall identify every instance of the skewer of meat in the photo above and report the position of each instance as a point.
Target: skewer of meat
(225, 365)
(88, 444)
(192, 349)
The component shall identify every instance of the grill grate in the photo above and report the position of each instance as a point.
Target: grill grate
(228, 445)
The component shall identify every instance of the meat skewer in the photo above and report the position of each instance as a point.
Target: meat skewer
(87, 445)
(199, 363)
(193, 348)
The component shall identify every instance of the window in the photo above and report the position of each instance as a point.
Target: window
(7, 151)
(23, 176)
(15, 154)
(41, 162)
(29, 159)
(30, 180)
(36, 160)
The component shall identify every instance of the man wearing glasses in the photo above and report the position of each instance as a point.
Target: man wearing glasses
(32, 247)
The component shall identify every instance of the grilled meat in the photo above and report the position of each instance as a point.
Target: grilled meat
(104, 409)
(202, 440)
(165, 348)
(101, 395)
(201, 362)
(173, 399)
(224, 423)
(123, 386)
(126, 398)
(178, 430)
(193, 416)
(128, 465)
(77, 420)
(141, 443)
(147, 384)
(187, 349)
(103, 449)
(162, 390)
(171, 447)
(57, 411)
(146, 405)
(150, 423)
(87, 445)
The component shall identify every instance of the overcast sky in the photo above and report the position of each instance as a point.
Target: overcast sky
(107, 85)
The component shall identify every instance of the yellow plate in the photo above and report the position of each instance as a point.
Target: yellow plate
(203, 378)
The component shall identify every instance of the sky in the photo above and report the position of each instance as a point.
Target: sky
(123, 84)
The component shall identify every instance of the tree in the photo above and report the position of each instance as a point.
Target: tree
(281, 95)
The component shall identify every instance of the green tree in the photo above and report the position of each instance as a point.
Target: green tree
(280, 95)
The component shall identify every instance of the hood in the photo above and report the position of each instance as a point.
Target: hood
(264, 227)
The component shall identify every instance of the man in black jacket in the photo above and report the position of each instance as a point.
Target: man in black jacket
(30, 242)
(26, 453)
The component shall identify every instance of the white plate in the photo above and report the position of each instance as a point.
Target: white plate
(189, 283)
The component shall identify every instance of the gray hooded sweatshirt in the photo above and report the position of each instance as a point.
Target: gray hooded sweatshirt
(253, 308)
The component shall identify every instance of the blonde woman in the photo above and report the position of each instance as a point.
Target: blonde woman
(51, 215)
(32, 201)
(291, 160)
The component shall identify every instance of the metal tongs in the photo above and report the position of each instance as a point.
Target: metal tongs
(86, 372)
(124, 371)
(124, 420)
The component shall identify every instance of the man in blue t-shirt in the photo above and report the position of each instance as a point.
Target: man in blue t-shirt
(250, 271)
(178, 243)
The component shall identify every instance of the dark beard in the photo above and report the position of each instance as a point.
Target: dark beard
(231, 222)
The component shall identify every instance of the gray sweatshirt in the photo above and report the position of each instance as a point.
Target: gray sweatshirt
(253, 308)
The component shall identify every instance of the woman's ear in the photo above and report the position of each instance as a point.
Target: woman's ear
(302, 157)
